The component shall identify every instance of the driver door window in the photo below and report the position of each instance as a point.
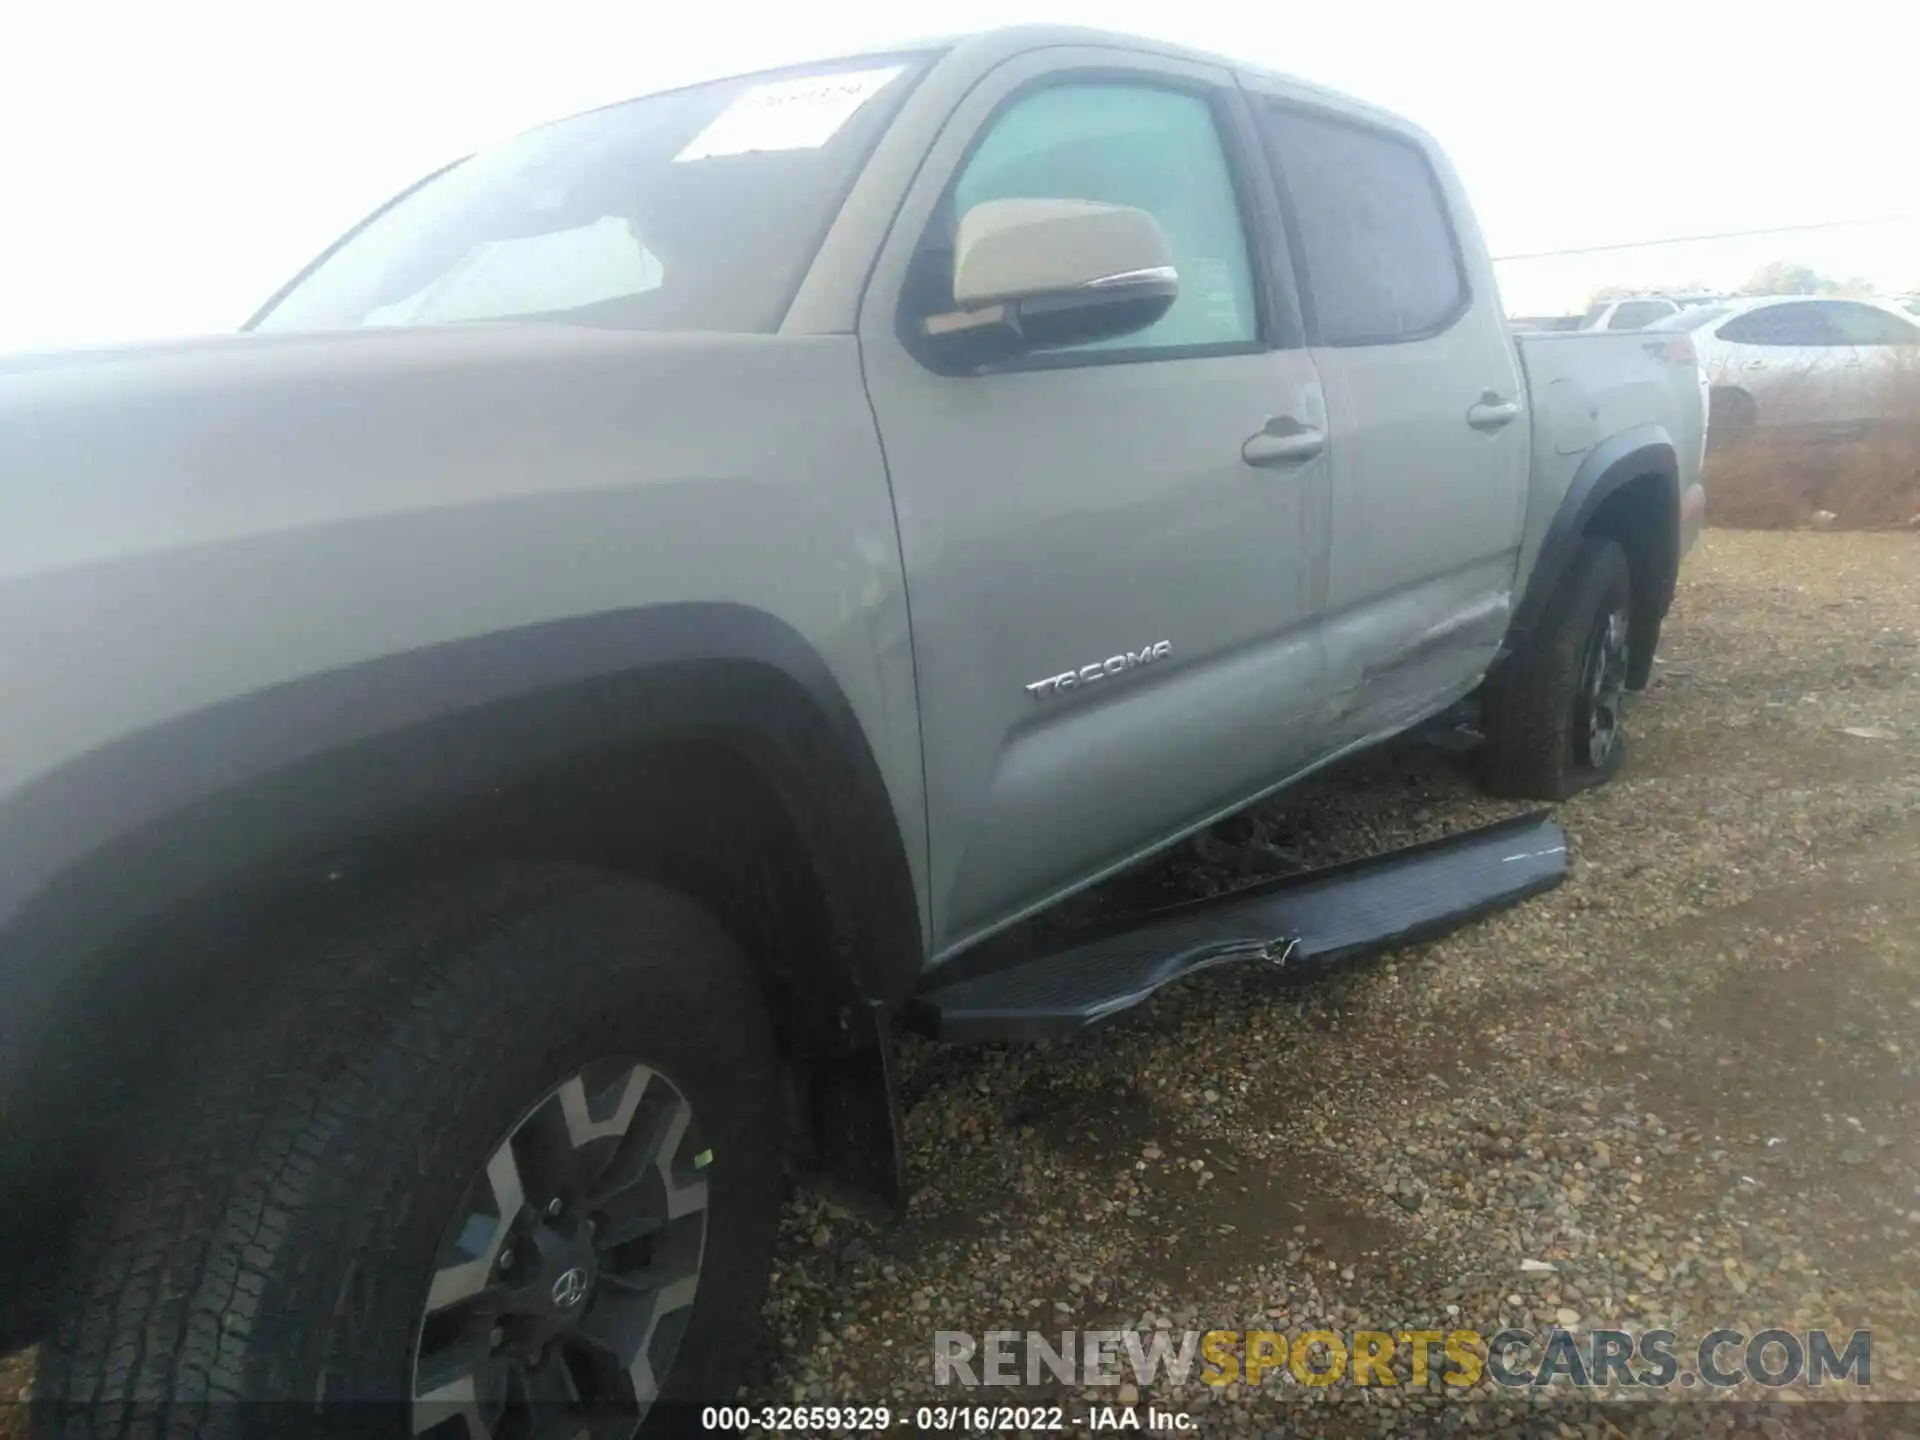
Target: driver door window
(1155, 149)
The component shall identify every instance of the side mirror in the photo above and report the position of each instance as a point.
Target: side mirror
(1037, 274)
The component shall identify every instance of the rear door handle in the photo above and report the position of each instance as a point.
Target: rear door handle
(1491, 412)
(1284, 441)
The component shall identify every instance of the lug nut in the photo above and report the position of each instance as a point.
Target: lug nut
(496, 1337)
(554, 1207)
(506, 1259)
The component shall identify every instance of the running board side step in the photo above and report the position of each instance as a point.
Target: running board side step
(1365, 905)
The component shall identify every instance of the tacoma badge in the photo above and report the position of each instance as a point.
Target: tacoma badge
(1100, 669)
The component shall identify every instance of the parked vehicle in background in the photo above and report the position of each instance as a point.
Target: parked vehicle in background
(1631, 312)
(477, 798)
(1636, 312)
(1799, 362)
(1688, 301)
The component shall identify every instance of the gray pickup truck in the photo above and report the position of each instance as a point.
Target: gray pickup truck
(496, 749)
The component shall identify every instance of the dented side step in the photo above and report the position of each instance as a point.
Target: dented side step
(1363, 905)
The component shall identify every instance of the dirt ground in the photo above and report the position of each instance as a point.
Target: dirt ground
(1683, 1085)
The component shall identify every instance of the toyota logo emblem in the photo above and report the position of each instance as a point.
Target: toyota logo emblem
(570, 1289)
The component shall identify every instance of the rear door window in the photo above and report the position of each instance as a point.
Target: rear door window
(1374, 239)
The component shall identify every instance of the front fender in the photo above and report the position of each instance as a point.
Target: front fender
(262, 796)
(113, 841)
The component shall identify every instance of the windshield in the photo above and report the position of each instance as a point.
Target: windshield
(1690, 319)
(694, 210)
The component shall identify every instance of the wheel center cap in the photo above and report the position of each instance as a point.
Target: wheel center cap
(568, 1271)
(570, 1287)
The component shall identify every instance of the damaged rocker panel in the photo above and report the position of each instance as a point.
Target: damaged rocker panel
(1367, 905)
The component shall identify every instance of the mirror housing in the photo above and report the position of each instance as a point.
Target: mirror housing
(1037, 274)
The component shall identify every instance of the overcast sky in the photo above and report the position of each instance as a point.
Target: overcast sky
(166, 166)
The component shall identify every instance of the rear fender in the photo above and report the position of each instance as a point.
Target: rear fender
(1644, 453)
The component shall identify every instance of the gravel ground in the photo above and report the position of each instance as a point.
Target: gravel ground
(1684, 1081)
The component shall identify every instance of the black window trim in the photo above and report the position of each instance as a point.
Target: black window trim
(1277, 318)
(1289, 211)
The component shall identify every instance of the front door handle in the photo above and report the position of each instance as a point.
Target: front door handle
(1491, 412)
(1283, 441)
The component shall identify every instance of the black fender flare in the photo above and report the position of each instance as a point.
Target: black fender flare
(113, 841)
(255, 794)
(1607, 468)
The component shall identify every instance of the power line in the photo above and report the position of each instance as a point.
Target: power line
(1723, 235)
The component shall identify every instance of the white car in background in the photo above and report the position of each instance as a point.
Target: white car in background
(1636, 312)
(1799, 361)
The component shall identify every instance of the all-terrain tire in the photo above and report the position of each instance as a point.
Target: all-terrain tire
(1537, 709)
(256, 1258)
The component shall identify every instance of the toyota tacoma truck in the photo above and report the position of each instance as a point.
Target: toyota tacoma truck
(496, 749)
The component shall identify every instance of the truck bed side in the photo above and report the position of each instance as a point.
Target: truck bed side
(1590, 388)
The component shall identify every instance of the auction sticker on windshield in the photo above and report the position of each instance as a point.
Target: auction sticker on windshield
(800, 114)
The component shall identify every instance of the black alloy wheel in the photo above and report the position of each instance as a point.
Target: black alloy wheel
(1603, 689)
(565, 1278)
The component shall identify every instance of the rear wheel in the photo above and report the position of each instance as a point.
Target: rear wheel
(1553, 715)
(498, 1160)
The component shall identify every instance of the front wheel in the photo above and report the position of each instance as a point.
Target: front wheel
(1553, 715)
(499, 1160)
